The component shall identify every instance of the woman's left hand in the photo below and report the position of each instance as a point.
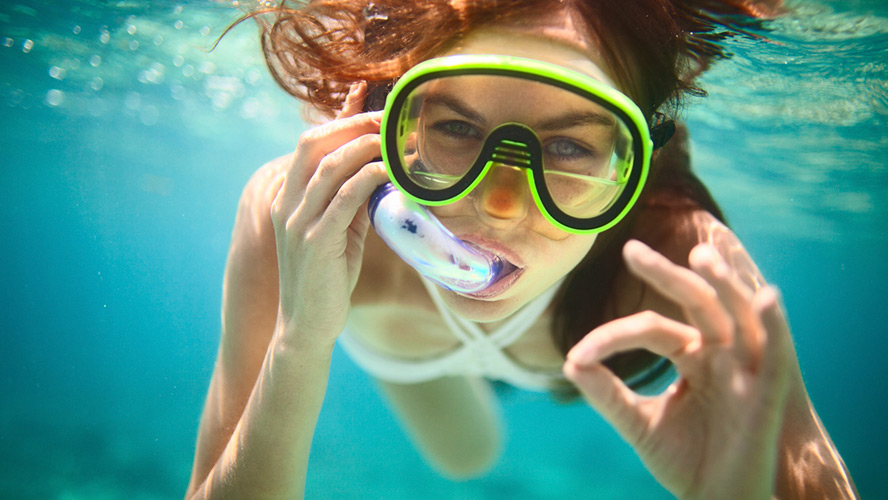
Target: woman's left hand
(713, 433)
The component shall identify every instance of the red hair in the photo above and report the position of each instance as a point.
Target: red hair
(317, 49)
(656, 48)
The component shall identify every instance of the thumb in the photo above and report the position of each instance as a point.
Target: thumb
(609, 396)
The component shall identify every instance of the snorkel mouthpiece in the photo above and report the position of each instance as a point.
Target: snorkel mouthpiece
(413, 233)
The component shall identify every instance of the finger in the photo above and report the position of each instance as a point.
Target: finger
(313, 146)
(350, 200)
(686, 288)
(610, 397)
(645, 330)
(316, 143)
(736, 298)
(354, 101)
(335, 169)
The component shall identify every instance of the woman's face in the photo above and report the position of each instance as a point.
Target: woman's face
(500, 215)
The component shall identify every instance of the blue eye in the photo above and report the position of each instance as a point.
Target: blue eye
(566, 149)
(457, 129)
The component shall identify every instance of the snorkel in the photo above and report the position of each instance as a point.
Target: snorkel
(420, 239)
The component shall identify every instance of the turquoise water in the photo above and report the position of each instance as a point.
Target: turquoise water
(123, 150)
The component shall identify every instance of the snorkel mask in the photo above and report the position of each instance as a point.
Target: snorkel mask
(456, 126)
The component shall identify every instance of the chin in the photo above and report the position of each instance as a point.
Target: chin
(482, 310)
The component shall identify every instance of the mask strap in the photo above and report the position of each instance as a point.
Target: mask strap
(376, 95)
(375, 19)
(662, 130)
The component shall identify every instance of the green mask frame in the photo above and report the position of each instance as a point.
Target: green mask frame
(515, 144)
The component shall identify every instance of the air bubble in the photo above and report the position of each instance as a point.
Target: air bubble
(134, 45)
(253, 76)
(27, 45)
(95, 60)
(158, 40)
(205, 30)
(221, 100)
(76, 29)
(8, 42)
(57, 72)
(177, 91)
(131, 29)
(105, 37)
(188, 70)
(96, 84)
(15, 97)
(179, 24)
(55, 97)
(178, 61)
(154, 74)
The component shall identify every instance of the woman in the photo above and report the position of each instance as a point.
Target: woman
(584, 303)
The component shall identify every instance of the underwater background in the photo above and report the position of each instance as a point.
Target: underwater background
(125, 142)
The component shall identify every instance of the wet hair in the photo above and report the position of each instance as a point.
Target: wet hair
(656, 48)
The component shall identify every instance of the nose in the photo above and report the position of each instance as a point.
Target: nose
(503, 194)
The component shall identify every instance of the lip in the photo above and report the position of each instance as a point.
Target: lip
(503, 252)
(495, 247)
(499, 287)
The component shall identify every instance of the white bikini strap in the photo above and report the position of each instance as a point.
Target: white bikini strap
(514, 327)
(524, 318)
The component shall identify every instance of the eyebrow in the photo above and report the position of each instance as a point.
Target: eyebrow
(561, 122)
(455, 105)
(576, 119)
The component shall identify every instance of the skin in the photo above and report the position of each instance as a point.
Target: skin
(302, 263)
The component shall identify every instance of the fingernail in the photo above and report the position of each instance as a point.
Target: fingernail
(355, 89)
(582, 354)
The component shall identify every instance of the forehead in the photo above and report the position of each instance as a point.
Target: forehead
(501, 97)
(554, 39)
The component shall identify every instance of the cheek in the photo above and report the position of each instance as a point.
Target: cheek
(573, 248)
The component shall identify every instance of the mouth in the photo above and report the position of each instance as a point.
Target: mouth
(507, 276)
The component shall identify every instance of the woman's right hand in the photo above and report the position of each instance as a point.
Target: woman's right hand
(320, 221)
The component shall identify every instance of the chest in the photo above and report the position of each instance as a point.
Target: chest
(393, 314)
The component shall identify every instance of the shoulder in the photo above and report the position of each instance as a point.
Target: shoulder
(264, 184)
(252, 254)
(253, 221)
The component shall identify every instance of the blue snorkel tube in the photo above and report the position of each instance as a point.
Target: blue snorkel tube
(413, 233)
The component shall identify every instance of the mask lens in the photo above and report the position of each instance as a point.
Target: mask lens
(586, 148)
(586, 166)
(441, 135)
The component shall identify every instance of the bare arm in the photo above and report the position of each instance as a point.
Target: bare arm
(294, 260)
(808, 463)
(259, 400)
(453, 421)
